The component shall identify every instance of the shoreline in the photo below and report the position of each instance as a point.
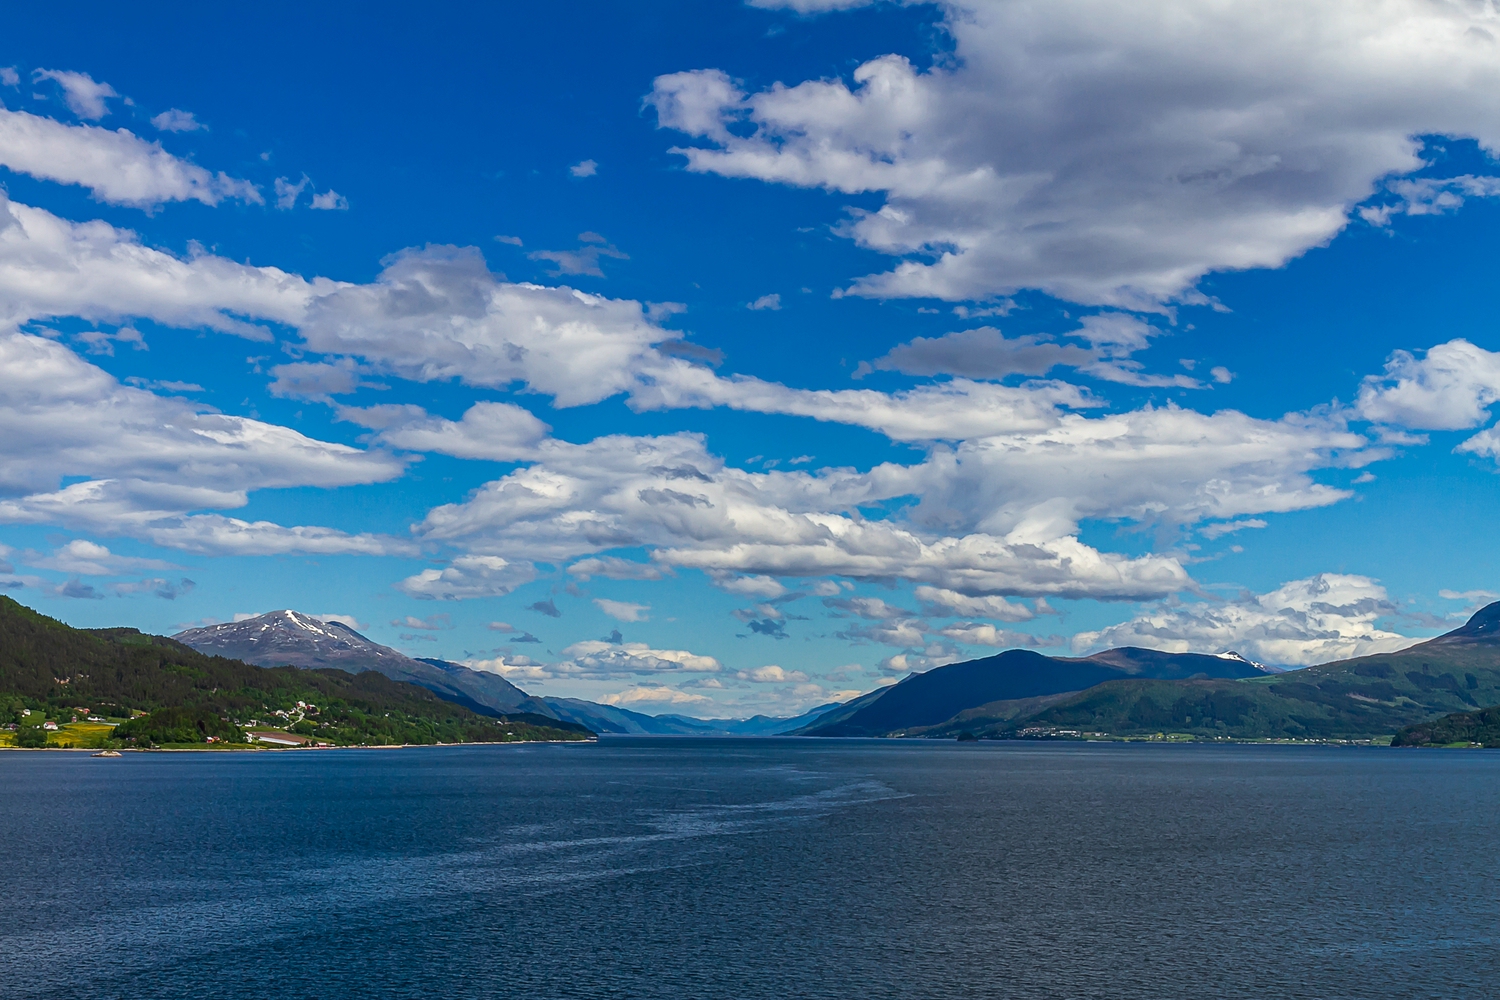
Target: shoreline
(243, 748)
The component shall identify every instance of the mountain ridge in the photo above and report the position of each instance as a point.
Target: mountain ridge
(291, 638)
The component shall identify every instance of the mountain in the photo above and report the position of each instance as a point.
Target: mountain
(931, 698)
(1360, 698)
(57, 671)
(608, 719)
(287, 638)
(1461, 728)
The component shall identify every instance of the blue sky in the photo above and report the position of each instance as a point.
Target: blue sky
(727, 358)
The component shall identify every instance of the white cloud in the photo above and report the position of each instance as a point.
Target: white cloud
(348, 620)
(1429, 196)
(1106, 153)
(940, 603)
(871, 608)
(84, 95)
(1222, 528)
(330, 200)
(772, 674)
(746, 586)
(61, 416)
(52, 267)
(468, 576)
(9, 77)
(660, 696)
(670, 494)
(439, 314)
(1326, 617)
(500, 432)
(287, 192)
(772, 302)
(177, 120)
(118, 167)
(623, 610)
(1469, 595)
(598, 659)
(1451, 387)
(318, 380)
(984, 353)
(615, 568)
(432, 623)
(982, 634)
(809, 6)
(587, 168)
(85, 558)
(150, 461)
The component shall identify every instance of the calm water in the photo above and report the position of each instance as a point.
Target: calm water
(747, 869)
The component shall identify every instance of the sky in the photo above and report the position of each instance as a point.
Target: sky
(729, 358)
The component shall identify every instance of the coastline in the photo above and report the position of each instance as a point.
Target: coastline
(247, 748)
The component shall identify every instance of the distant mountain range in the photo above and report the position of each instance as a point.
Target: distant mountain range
(290, 638)
(1019, 693)
(608, 719)
(1125, 692)
(1016, 675)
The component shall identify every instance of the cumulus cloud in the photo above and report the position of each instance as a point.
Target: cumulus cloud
(1429, 196)
(772, 674)
(84, 95)
(1109, 154)
(117, 167)
(82, 557)
(984, 353)
(330, 201)
(596, 658)
(62, 416)
(167, 590)
(177, 120)
(940, 603)
(53, 267)
(500, 432)
(586, 168)
(319, 380)
(432, 623)
(658, 696)
(670, 493)
(1326, 617)
(623, 610)
(772, 302)
(468, 576)
(1451, 387)
(287, 191)
(150, 460)
(615, 568)
(809, 6)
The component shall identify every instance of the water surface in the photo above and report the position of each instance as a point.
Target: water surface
(753, 868)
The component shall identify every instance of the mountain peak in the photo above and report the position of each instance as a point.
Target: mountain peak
(1482, 627)
(288, 636)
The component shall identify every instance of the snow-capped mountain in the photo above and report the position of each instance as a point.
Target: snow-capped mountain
(282, 638)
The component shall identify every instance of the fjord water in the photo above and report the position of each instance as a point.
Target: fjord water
(753, 868)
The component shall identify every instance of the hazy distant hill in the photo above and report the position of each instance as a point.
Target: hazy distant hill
(931, 698)
(1349, 699)
(608, 719)
(46, 665)
(280, 638)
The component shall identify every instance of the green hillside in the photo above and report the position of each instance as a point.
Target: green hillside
(49, 670)
(1368, 697)
(1480, 728)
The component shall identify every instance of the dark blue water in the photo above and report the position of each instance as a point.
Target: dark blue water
(747, 869)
